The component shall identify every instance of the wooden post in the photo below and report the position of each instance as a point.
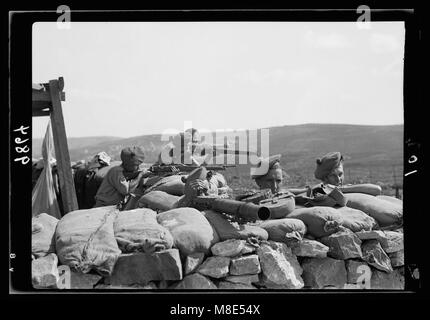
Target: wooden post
(67, 185)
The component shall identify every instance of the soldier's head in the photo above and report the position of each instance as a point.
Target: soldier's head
(131, 158)
(192, 135)
(182, 145)
(330, 169)
(273, 178)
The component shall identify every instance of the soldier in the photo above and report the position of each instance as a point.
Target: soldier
(330, 169)
(88, 178)
(178, 150)
(273, 178)
(121, 180)
(189, 144)
(270, 180)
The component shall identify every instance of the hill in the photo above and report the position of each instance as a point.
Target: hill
(372, 153)
(73, 143)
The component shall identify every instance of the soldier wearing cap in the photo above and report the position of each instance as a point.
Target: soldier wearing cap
(330, 169)
(271, 178)
(121, 180)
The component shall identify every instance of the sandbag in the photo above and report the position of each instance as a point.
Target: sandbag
(356, 220)
(85, 240)
(366, 188)
(171, 184)
(393, 200)
(319, 221)
(190, 230)
(385, 213)
(43, 235)
(138, 231)
(158, 201)
(284, 230)
(226, 230)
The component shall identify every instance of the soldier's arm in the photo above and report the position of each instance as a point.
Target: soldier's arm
(118, 181)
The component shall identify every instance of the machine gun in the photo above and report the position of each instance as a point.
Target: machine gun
(166, 168)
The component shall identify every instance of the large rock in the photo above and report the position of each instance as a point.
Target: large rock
(397, 258)
(373, 235)
(228, 248)
(193, 261)
(349, 286)
(309, 248)
(141, 268)
(324, 272)
(83, 280)
(215, 267)
(195, 281)
(235, 286)
(245, 265)
(163, 284)
(248, 248)
(280, 268)
(44, 272)
(343, 245)
(148, 286)
(382, 280)
(374, 255)
(395, 241)
(356, 271)
(245, 279)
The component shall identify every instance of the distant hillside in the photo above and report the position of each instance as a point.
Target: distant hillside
(372, 153)
(73, 143)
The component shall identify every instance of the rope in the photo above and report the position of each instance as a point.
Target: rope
(85, 262)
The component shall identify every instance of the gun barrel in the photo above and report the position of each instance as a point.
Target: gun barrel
(220, 151)
(247, 211)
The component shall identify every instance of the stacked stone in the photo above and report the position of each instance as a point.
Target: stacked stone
(48, 274)
(361, 260)
(236, 264)
(344, 260)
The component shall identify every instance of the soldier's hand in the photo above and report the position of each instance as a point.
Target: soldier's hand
(199, 185)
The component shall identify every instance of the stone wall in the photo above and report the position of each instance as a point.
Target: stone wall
(344, 260)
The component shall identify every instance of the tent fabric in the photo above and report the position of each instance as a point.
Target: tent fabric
(43, 197)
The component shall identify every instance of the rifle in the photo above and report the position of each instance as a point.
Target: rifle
(218, 150)
(166, 168)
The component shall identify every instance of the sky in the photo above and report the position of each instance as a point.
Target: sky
(126, 79)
